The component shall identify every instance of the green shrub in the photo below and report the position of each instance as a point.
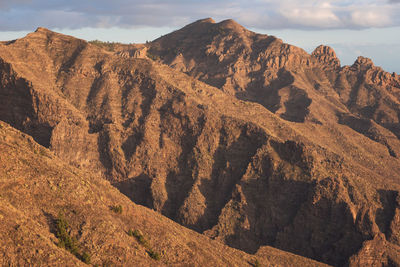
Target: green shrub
(117, 209)
(64, 238)
(85, 257)
(130, 232)
(140, 238)
(110, 46)
(66, 241)
(256, 263)
(154, 255)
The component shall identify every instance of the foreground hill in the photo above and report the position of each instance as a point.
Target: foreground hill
(36, 187)
(283, 165)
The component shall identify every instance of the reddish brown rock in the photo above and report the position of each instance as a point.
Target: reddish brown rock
(327, 56)
(36, 187)
(282, 152)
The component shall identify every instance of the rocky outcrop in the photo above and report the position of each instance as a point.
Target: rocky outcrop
(327, 56)
(371, 94)
(139, 52)
(376, 252)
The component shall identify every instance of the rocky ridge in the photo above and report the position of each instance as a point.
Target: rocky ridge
(283, 78)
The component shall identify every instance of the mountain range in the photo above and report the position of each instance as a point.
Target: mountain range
(264, 150)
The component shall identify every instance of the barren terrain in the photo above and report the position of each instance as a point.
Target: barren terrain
(236, 135)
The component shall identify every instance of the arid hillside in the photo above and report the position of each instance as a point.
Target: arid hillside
(37, 189)
(244, 138)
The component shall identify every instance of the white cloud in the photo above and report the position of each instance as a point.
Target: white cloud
(371, 18)
(321, 14)
(264, 14)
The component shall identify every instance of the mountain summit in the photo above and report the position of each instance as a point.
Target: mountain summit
(326, 55)
(237, 135)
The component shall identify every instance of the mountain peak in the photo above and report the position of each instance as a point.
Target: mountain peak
(231, 24)
(206, 20)
(326, 50)
(42, 34)
(326, 55)
(42, 29)
(200, 23)
(364, 61)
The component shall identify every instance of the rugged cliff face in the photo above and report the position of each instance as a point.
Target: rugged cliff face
(285, 79)
(36, 188)
(259, 143)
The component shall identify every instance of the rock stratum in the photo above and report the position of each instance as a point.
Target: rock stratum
(236, 135)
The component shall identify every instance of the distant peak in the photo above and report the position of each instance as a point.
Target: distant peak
(230, 23)
(42, 29)
(364, 61)
(204, 25)
(326, 55)
(206, 20)
(324, 50)
(44, 34)
(199, 24)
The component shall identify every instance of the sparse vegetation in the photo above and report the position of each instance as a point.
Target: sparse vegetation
(256, 263)
(130, 232)
(142, 240)
(66, 241)
(152, 56)
(154, 255)
(63, 234)
(86, 258)
(110, 46)
(117, 209)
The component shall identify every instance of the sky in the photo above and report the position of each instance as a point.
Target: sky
(370, 28)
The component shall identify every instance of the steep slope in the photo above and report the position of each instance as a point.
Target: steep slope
(36, 186)
(243, 173)
(285, 79)
(251, 66)
(373, 96)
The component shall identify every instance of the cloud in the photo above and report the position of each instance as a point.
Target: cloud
(321, 14)
(370, 18)
(263, 14)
